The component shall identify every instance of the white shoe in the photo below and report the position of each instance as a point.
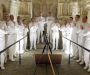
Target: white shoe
(30, 48)
(88, 70)
(81, 63)
(2, 67)
(12, 59)
(85, 67)
(77, 61)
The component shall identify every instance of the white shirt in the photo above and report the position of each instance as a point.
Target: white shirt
(55, 27)
(33, 28)
(9, 27)
(19, 29)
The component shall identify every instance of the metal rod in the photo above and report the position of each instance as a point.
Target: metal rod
(11, 45)
(19, 54)
(69, 53)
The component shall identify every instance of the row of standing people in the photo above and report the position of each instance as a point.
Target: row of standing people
(37, 26)
(79, 32)
(10, 32)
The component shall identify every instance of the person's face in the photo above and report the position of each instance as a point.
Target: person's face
(70, 19)
(84, 19)
(7, 18)
(24, 21)
(12, 17)
(19, 18)
(76, 18)
(65, 22)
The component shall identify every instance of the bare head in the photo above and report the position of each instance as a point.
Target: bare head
(33, 19)
(70, 19)
(19, 18)
(11, 17)
(77, 17)
(24, 21)
(6, 17)
(84, 19)
(65, 22)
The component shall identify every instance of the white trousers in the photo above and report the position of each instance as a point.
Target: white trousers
(68, 46)
(21, 48)
(64, 43)
(81, 54)
(33, 37)
(10, 40)
(2, 55)
(40, 32)
(87, 54)
(55, 40)
(87, 58)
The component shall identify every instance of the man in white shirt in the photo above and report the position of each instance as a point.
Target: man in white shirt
(49, 20)
(33, 33)
(55, 34)
(86, 41)
(2, 45)
(64, 30)
(10, 28)
(41, 22)
(19, 27)
(77, 25)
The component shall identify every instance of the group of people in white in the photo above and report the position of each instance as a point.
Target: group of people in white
(76, 30)
(10, 32)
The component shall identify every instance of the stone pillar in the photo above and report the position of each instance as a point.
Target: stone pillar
(88, 9)
(75, 8)
(88, 16)
(14, 8)
(30, 8)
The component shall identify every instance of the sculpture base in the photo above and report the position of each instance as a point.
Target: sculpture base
(43, 58)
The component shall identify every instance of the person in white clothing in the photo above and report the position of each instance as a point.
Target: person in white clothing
(86, 53)
(20, 34)
(49, 20)
(33, 26)
(25, 32)
(12, 19)
(68, 36)
(81, 42)
(2, 45)
(10, 28)
(55, 34)
(64, 30)
(41, 22)
(77, 25)
(86, 35)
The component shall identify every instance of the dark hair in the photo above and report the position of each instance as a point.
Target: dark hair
(86, 17)
(78, 16)
(71, 18)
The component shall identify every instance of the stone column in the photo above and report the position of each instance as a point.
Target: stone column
(14, 8)
(75, 8)
(88, 9)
